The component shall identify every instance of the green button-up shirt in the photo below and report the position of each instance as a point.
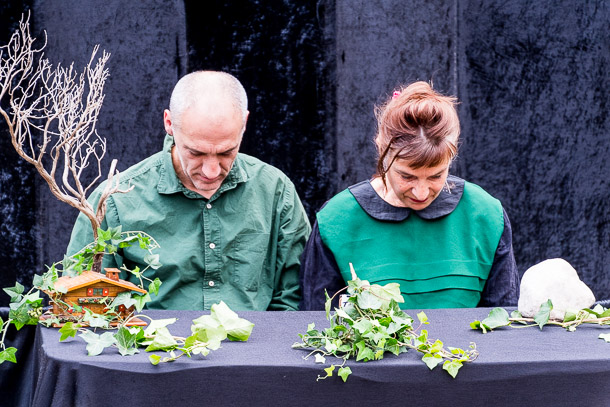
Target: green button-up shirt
(241, 246)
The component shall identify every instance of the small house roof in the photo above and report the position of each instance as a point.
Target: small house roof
(91, 277)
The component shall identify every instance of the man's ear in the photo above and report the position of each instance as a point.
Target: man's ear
(167, 122)
(246, 121)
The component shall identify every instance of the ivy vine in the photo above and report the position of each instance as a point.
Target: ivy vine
(371, 324)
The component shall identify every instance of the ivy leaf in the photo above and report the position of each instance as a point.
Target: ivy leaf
(68, 331)
(156, 324)
(329, 370)
(125, 299)
(15, 292)
(569, 316)
(163, 340)
(344, 372)
(95, 320)
(422, 318)
(238, 329)
(8, 355)
(366, 300)
(387, 293)
(152, 260)
(153, 288)
(126, 341)
(327, 305)
(432, 360)
(452, 367)
(140, 300)
(97, 343)
(154, 359)
(363, 325)
(319, 358)
(543, 314)
(605, 337)
(497, 317)
(365, 354)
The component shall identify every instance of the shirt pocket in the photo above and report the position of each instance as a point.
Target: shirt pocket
(250, 261)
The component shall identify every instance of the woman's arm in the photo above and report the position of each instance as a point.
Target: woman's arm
(502, 286)
(319, 272)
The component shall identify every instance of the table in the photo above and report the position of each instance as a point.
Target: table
(516, 367)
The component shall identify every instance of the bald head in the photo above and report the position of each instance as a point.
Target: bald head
(216, 93)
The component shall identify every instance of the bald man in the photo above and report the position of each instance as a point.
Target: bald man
(230, 227)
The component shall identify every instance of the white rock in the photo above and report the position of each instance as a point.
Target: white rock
(553, 279)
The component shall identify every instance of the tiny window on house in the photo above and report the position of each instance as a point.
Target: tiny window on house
(97, 292)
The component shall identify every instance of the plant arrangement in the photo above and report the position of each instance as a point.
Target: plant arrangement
(370, 324)
(51, 114)
(207, 332)
(499, 317)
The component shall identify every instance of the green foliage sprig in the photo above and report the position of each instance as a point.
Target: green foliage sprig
(370, 324)
(26, 308)
(207, 333)
(499, 317)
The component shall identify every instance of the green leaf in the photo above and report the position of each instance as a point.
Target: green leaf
(97, 343)
(366, 300)
(163, 340)
(327, 305)
(329, 370)
(497, 317)
(95, 320)
(569, 316)
(344, 372)
(125, 299)
(156, 324)
(365, 354)
(605, 337)
(153, 288)
(154, 359)
(126, 341)
(15, 292)
(387, 293)
(432, 360)
(238, 329)
(479, 325)
(363, 325)
(140, 300)
(543, 314)
(452, 367)
(152, 260)
(8, 355)
(68, 331)
(422, 317)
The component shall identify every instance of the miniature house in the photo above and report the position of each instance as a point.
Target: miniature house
(93, 290)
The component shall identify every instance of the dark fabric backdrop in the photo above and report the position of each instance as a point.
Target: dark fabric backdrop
(532, 79)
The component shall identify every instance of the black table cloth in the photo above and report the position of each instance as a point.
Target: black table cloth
(516, 367)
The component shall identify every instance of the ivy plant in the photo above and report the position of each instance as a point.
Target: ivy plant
(371, 324)
(207, 333)
(499, 317)
(26, 308)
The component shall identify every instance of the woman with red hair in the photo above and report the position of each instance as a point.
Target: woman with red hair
(446, 241)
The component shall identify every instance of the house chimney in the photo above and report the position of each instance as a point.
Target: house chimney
(112, 274)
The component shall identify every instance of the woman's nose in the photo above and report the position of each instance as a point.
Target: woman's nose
(420, 192)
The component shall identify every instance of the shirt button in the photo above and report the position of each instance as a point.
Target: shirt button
(211, 283)
(212, 246)
(209, 206)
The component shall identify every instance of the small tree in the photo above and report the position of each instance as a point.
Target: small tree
(51, 118)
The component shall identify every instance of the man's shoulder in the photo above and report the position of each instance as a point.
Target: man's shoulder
(148, 167)
(260, 171)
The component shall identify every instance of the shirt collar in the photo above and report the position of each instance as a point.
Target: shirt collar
(169, 183)
(376, 207)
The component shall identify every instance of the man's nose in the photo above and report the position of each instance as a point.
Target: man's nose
(211, 168)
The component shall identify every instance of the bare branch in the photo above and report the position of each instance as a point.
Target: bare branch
(51, 117)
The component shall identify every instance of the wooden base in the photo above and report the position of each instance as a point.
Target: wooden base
(132, 322)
